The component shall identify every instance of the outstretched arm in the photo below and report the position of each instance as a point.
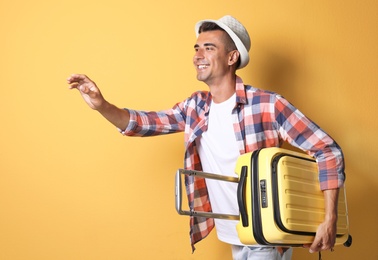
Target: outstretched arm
(93, 97)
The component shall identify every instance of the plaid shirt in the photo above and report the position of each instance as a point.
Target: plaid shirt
(261, 119)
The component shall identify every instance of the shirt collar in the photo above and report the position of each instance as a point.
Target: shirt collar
(240, 91)
(240, 94)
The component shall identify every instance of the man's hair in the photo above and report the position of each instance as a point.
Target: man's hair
(229, 43)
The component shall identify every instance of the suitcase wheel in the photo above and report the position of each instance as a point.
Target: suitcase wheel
(348, 243)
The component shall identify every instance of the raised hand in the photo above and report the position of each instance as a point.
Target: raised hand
(88, 90)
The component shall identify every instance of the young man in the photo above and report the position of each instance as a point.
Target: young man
(220, 124)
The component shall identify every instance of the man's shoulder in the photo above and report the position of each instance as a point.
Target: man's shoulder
(255, 92)
(198, 100)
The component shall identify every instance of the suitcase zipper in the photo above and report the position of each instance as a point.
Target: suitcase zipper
(256, 212)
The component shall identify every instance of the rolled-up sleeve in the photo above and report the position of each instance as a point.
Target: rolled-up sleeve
(151, 123)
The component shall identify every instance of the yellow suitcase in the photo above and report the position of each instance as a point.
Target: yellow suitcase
(280, 202)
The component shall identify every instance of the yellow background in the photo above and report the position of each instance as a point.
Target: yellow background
(71, 187)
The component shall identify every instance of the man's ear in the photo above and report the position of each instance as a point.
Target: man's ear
(233, 57)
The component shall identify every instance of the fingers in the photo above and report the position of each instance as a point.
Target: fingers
(88, 90)
(80, 82)
(78, 78)
(325, 237)
(318, 246)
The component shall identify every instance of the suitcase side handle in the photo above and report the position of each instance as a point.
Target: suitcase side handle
(241, 196)
(191, 212)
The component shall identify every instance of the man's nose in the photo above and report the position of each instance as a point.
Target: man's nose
(199, 54)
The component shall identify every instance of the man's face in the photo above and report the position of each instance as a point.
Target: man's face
(211, 59)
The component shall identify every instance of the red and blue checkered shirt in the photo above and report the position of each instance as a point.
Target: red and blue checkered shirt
(261, 119)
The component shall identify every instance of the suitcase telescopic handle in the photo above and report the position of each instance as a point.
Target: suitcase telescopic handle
(241, 196)
(191, 212)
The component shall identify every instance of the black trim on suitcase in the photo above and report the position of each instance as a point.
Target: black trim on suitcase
(255, 191)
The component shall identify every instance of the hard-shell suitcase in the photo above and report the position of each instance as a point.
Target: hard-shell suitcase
(280, 202)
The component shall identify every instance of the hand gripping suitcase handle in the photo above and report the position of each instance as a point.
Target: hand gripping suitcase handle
(191, 212)
(241, 196)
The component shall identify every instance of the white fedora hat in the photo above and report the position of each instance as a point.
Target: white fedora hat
(238, 34)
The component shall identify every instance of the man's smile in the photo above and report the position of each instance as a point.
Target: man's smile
(202, 66)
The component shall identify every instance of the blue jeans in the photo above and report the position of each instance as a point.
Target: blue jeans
(259, 253)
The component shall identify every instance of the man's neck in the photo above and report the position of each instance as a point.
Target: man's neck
(223, 90)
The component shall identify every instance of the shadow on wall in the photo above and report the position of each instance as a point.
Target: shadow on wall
(274, 72)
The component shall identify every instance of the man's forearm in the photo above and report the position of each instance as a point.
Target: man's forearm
(118, 117)
(330, 204)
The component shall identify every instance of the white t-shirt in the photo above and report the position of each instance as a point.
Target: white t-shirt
(218, 152)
